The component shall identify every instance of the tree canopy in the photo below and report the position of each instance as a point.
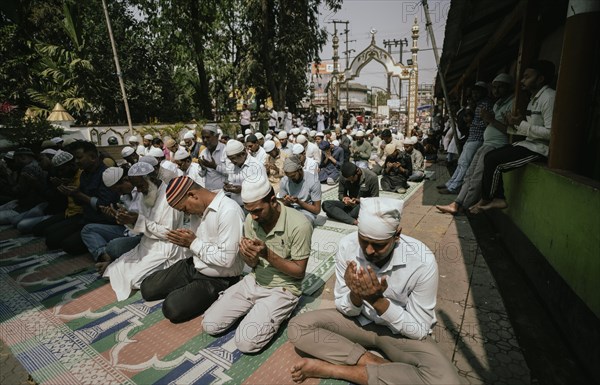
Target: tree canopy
(179, 59)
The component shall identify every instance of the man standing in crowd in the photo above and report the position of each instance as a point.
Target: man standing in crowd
(212, 160)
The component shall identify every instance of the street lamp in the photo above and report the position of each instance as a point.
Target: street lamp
(376, 96)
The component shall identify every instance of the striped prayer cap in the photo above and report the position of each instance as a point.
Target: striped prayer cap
(177, 189)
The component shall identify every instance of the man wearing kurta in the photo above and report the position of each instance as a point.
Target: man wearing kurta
(154, 220)
(276, 245)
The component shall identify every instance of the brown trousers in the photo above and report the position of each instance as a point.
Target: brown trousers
(332, 337)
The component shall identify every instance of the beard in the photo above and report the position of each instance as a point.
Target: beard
(150, 197)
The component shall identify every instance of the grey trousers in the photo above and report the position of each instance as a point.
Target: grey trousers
(470, 192)
(332, 337)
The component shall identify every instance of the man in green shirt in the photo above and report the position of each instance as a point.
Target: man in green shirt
(276, 245)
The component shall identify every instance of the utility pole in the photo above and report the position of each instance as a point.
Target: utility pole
(389, 44)
(347, 52)
(118, 67)
(440, 73)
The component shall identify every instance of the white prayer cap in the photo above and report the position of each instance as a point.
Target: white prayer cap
(295, 131)
(57, 140)
(301, 139)
(379, 218)
(49, 151)
(312, 133)
(390, 148)
(269, 146)
(189, 135)
(11, 155)
(149, 160)
(268, 137)
(297, 149)
(210, 127)
(112, 175)
(248, 131)
(255, 189)
(156, 152)
(290, 165)
(503, 78)
(336, 143)
(304, 131)
(259, 136)
(262, 106)
(234, 147)
(349, 126)
(321, 134)
(133, 138)
(141, 169)
(414, 139)
(282, 135)
(369, 132)
(285, 108)
(126, 151)
(60, 158)
(181, 154)
(360, 134)
(182, 143)
(407, 141)
(240, 136)
(148, 137)
(141, 150)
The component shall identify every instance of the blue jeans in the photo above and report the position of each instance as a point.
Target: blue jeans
(466, 156)
(120, 246)
(96, 236)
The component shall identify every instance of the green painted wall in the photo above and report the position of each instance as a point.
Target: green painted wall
(561, 217)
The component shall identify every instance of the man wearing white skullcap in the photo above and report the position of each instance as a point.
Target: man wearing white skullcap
(154, 220)
(276, 245)
(212, 161)
(106, 242)
(385, 295)
(240, 166)
(147, 142)
(286, 146)
(396, 168)
(183, 160)
(287, 120)
(274, 164)
(192, 146)
(128, 153)
(300, 190)
(210, 245)
(263, 120)
(311, 150)
(308, 164)
(361, 150)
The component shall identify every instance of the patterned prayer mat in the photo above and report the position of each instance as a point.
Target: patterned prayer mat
(63, 323)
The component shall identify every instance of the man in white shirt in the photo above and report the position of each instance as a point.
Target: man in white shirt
(213, 160)
(254, 149)
(191, 285)
(241, 166)
(308, 164)
(183, 160)
(286, 146)
(154, 220)
(385, 294)
(287, 120)
(245, 117)
(312, 150)
(536, 126)
(273, 120)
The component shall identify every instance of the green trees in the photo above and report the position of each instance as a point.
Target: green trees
(180, 59)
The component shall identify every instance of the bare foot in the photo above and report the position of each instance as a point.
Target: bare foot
(310, 368)
(452, 208)
(494, 204)
(475, 209)
(104, 258)
(101, 267)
